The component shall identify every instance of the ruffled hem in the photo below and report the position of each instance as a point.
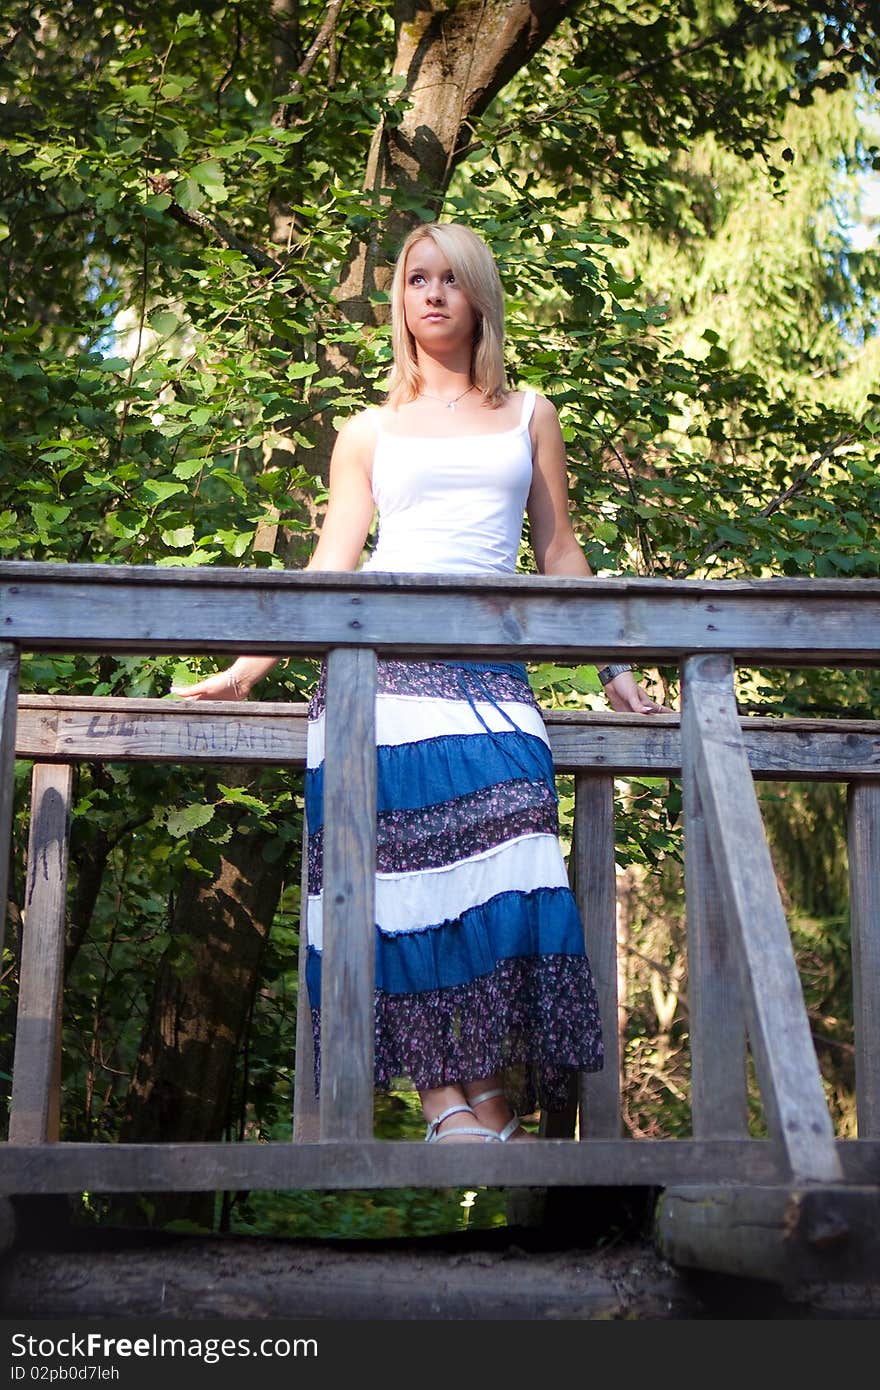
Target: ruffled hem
(533, 1021)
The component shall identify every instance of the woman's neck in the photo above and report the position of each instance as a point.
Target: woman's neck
(444, 377)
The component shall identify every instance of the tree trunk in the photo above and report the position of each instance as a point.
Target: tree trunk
(454, 58)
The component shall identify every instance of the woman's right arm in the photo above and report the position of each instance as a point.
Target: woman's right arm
(341, 542)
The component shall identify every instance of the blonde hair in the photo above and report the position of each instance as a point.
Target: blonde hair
(473, 266)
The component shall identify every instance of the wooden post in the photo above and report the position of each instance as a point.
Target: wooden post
(719, 1089)
(779, 1033)
(8, 697)
(348, 966)
(596, 890)
(305, 1102)
(863, 833)
(35, 1114)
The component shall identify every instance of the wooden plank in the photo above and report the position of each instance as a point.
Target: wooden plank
(793, 749)
(306, 1113)
(595, 886)
(863, 839)
(370, 1163)
(8, 697)
(789, 1235)
(348, 964)
(143, 609)
(350, 1288)
(716, 1016)
(113, 729)
(58, 727)
(36, 1093)
(779, 1034)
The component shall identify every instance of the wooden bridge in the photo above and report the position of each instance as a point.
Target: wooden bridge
(801, 1203)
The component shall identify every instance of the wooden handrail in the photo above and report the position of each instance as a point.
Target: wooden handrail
(743, 979)
(60, 728)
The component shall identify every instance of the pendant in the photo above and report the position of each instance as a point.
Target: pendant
(451, 406)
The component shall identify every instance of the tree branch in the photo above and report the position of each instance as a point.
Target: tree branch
(215, 229)
(739, 25)
(801, 480)
(792, 490)
(323, 37)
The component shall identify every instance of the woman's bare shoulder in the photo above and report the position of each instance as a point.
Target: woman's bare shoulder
(361, 428)
(545, 410)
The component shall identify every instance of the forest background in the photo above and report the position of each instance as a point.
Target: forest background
(199, 207)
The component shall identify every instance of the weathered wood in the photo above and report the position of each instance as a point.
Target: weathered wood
(8, 697)
(779, 1034)
(306, 1113)
(595, 886)
(716, 1017)
(140, 608)
(825, 750)
(348, 964)
(371, 1163)
(60, 727)
(863, 840)
(111, 729)
(780, 1233)
(169, 1280)
(36, 1099)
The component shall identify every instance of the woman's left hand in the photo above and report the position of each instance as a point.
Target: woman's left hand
(625, 696)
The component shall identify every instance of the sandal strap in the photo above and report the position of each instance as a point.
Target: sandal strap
(489, 1135)
(512, 1125)
(485, 1095)
(434, 1125)
(510, 1128)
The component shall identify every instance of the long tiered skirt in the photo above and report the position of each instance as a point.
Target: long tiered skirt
(480, 960)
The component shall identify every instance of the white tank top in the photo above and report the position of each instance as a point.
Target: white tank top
(451, 505)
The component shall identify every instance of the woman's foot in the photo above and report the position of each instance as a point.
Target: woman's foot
(451, 1120)
(461, 1127)
(491, 1107)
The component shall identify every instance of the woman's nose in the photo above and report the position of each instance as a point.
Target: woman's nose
(435, 293)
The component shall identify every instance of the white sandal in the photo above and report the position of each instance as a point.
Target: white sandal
(432, 1137)
(512, 1125)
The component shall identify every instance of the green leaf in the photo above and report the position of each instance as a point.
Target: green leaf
(237, 797)
(188, 195)
(181, 537)
(190, 818)
(160, 491)
(188, 468)
(209, 171)
(164, 322)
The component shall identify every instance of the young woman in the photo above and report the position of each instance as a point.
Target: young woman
(485, 1001)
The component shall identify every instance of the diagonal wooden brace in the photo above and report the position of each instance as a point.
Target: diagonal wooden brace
(779, 1035)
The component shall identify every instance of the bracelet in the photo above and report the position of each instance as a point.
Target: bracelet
(607, 673)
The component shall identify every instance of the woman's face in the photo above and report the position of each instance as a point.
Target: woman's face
(438, 313)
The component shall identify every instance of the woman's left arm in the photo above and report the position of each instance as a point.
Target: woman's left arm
(554, 544)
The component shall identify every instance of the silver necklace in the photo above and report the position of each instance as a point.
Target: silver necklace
(450, 405)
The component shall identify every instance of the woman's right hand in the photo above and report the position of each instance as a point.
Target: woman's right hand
(223, 685)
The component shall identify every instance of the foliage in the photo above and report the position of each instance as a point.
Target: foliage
(669, 188)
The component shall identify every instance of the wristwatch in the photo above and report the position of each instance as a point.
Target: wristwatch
(607, 673)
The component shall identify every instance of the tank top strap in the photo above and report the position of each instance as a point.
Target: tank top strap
(528, 407)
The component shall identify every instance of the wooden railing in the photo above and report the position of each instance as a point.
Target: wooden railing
(744, 991)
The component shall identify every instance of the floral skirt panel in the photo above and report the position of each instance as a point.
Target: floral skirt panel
(480, 958)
